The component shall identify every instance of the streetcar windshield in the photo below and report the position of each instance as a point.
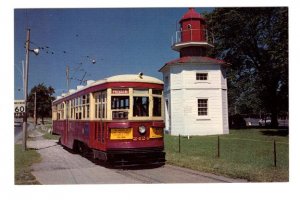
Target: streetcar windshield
(120, 107)
(157, 106)
(136, 103)
(140, 106)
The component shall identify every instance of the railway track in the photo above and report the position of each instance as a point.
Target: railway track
(173, 174)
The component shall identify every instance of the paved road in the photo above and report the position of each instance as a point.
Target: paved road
(60, 166)
(18, 133)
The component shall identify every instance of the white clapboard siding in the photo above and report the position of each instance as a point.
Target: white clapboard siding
(223, 78)
(225, 112)
(177, 117)
(183, 93)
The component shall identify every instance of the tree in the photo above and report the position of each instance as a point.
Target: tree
(255, 42)
(44, 100)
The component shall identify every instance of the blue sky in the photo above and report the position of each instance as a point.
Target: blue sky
(121, 40)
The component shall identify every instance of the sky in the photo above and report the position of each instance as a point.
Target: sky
(120, 40)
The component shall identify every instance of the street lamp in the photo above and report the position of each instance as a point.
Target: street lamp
(36, 52)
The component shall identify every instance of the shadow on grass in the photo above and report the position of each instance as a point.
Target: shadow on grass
(280, 132)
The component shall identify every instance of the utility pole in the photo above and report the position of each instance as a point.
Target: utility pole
(35, 117)
(68, 77)
(23, 75)
(24, 145)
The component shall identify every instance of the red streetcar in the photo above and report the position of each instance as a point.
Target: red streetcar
(118, 120)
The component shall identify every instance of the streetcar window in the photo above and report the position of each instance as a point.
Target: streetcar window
(78, 108)
(79, 101)
(140, 106)
(157, 106)
(84, 106)
(157, 92)
(83, 99)
(120, 106)
(60, 111)
(88, 111)
(100, 107)
(119, 114)
(67, 109)
(120, 102)
(83, 111)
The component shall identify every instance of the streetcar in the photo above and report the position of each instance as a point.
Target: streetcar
(118, 120)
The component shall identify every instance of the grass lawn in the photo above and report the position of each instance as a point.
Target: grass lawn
(23, 161)
(244, 153)
(46, 135)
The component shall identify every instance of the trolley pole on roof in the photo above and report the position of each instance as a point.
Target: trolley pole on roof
(24, 146)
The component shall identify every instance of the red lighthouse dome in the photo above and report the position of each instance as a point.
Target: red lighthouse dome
(192, 39)
(191, 14)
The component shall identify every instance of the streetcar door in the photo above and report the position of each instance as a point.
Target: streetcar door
(100, 114)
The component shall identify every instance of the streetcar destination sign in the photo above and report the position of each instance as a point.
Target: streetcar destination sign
(120, 91)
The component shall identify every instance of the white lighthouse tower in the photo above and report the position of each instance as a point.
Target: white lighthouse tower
(195, 85)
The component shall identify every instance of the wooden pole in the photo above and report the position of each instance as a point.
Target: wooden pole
(218, 153)
(24, 143)
(179, 143)
(35, 117)
(274, 152)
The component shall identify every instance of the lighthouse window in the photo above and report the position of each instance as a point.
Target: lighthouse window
(201, 76)
(189, 26)
(202, 107)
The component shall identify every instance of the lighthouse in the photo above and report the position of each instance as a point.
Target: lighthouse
(195, 85)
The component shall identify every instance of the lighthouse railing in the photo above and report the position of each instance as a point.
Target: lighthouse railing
(193, 35)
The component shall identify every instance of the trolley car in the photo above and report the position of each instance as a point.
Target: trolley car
(118, 120)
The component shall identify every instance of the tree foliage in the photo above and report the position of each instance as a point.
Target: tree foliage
(255, 42)
(44, 100)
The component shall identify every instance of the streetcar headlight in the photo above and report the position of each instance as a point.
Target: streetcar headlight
(142, 130)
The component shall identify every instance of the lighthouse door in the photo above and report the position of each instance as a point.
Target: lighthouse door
(167, 116)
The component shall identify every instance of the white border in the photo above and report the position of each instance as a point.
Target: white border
(162, 191)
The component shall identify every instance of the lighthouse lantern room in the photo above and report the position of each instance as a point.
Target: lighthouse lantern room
(193, 38)
(195, 88)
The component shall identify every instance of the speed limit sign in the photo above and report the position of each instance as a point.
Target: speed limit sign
(19, 106)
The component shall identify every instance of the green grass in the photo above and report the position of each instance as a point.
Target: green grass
(49, 136)
(246, 154)
(23, 161)
(46, 134)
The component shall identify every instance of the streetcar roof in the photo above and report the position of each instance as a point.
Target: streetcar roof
(133, 78)
(118, 78)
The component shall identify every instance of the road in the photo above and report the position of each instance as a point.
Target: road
(60, 166)
(18, 133)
